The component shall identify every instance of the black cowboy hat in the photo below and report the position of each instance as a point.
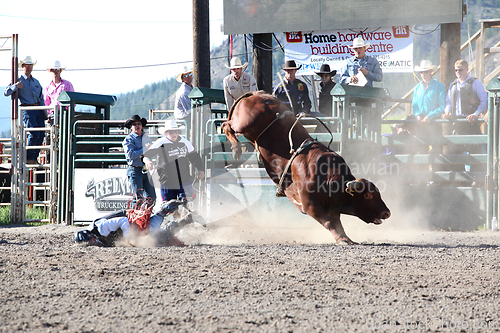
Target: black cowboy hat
(290, 64)
(325, 69)
(128, 122)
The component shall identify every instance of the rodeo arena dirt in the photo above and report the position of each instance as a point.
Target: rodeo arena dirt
(253, 277)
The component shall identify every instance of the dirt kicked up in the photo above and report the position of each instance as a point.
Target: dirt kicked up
(432, 281)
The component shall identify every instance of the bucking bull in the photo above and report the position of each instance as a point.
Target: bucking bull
(314, 178)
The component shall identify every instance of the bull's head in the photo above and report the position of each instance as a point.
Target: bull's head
(368, 205)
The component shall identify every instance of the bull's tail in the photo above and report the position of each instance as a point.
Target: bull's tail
(231, 135)
(245, 95)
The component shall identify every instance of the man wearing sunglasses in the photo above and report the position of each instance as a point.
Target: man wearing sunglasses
(467, 99)
(238, 82)
(174, 153)
(429, 95)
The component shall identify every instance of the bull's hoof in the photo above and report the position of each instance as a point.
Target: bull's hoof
(174, 241)
(345, 241)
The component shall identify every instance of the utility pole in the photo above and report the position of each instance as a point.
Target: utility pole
(263, 61)
(201, 44)
(450, 52)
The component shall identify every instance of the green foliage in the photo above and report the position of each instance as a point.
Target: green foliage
(31, 213)
(4, 215)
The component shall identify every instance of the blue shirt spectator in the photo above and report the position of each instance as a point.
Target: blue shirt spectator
(30, 93)
(429, 95)
(360, 62)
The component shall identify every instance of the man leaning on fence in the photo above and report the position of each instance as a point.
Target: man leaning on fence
(30, 93)
(466, 99)
(428, 99)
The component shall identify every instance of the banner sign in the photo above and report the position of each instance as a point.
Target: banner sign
(393, 47)
(99, 192)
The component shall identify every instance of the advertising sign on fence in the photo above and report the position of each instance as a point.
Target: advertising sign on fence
(393, 47)
(99, 192)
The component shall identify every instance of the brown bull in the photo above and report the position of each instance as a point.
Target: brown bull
(318, 181)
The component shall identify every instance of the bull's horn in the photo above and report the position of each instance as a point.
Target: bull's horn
(350, 187)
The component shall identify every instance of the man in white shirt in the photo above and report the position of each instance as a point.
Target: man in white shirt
(238, 82)
(182, 108)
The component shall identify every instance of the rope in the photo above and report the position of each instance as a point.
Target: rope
(303, 145)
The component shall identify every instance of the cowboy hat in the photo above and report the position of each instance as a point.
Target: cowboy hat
(359, 42)
(178, 77)
(425, 65)
(290, 64)
(236, 63)
(128, 122)
(170, 124)
(57, 65)
(325, 69)
(27, 61)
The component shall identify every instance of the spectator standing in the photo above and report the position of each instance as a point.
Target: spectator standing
(134, 145)
(429, 95)
(297, 90)
(467, 99)
(174, 154)
(182, 110)
(238, 82)
(30, 93)
(361, 62)
(56, 85)
(325, 87)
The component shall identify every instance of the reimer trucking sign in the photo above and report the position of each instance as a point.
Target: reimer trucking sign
(393, 47)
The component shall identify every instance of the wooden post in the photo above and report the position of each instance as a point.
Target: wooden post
(263, 61)
(480, 71)
(201, 44)
(450, 52)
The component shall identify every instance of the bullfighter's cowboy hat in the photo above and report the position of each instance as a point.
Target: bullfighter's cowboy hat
(57, 65)
(186, 71)
(27, 61)
(236, 63)
(128, 122)
(290, 64)
(359, 42)
(425, 65)
(325, 69)
(170, 124)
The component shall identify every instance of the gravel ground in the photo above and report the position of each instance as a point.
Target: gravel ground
(252, 279)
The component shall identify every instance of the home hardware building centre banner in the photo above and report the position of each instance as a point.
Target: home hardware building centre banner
(393, 47)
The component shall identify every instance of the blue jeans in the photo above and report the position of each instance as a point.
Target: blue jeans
(140, 181)
(167, 194)
(32, 119)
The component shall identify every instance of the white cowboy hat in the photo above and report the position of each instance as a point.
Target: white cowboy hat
(178, 77)
(57, 65)
(170, 124)
(359, 42)
(425, 65)
(27, 61)
(236, 63)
